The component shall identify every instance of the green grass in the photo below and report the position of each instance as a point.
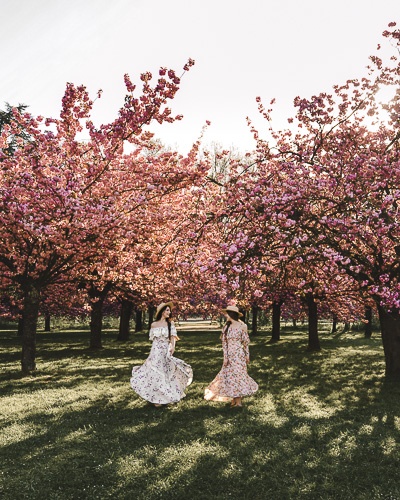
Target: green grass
(322, 426)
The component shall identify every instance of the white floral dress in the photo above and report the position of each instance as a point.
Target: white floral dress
(162, 378)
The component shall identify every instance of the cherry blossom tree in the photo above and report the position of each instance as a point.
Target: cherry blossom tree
(65, 203)
(341, 167)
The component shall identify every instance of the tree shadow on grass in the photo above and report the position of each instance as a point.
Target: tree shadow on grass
(321, 426)
(205, 451)
(68, 364)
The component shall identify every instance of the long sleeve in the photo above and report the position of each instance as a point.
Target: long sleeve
(245, 342)
(225, 350)
(224, 345)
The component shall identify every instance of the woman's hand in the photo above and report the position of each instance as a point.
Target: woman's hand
(226, 362)
(247, 360)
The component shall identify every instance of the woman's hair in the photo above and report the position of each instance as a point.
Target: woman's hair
(168, 320)
(232, 315)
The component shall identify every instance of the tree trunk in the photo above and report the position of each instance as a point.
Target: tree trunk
(254, 320)
(368, 324)
(346, 327)
(313, 340)
(29, 325)
(276, 320)
(47, 322)
(151, 312)
(294, 322)
(124, 320)
(334, 324)
(390, 328)
(20, 330)
(138, 320)
(96, 324)
(96, 314)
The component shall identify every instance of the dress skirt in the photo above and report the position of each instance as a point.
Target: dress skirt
(162, 378)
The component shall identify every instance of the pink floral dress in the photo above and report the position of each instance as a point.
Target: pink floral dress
(233, 381)
(162, 378)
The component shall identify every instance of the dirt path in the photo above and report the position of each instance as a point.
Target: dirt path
(197, 325)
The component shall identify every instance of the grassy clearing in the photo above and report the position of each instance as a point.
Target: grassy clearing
(322, 426)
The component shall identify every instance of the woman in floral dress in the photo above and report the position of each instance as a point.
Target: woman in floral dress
(233, 382)
(162, 379)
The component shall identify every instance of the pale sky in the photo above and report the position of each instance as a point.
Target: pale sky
(242, 48)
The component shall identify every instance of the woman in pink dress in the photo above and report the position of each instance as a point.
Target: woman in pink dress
(233, 382)
(162, 379)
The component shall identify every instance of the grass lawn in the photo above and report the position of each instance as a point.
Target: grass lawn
(322, 426)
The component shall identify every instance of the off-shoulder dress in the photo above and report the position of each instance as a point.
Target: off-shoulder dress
(162, 378)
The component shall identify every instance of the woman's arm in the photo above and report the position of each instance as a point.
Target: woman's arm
(245, 342)
(173, 339)
(172, 342)
(224, 339)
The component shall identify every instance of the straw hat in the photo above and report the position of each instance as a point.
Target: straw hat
(233, 309)
(164, 304)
